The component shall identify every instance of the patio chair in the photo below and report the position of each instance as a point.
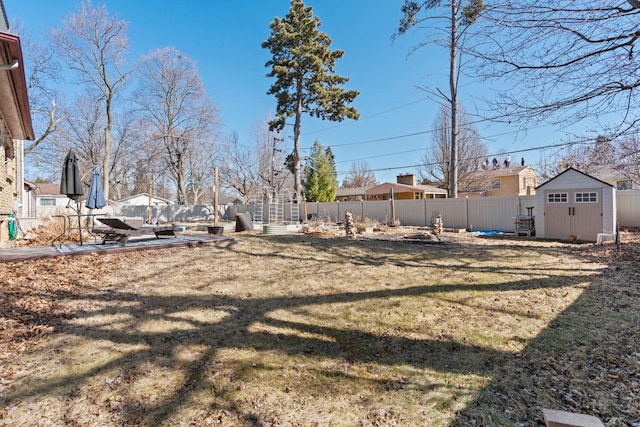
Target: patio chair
(117, 230)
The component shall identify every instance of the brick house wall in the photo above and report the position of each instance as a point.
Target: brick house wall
(7, 177)
(7, 173)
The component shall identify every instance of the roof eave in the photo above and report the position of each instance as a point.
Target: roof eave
(14, 98)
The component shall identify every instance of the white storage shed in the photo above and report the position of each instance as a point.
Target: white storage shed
(576, 206)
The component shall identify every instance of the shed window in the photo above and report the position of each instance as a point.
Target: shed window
(495, 183)
(557, 198)
(47, 202)
(591, 197)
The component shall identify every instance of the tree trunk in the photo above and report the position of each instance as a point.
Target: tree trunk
(453, 86)
(297, 186)
(107, 150)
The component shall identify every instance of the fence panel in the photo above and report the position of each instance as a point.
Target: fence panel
(378, 210)
(529, 202)
(411, 212)
(628, 202)
(453, 211)
(493, 213)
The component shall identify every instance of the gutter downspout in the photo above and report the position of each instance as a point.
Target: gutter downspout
(13, 66)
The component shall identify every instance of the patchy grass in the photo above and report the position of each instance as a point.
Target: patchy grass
(303, 331)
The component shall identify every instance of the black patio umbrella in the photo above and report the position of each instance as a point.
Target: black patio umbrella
(71, 183)
(95, 197)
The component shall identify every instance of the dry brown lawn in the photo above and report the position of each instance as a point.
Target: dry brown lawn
(313, 331)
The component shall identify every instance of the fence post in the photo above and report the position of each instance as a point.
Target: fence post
(466, 211)
(426, 224)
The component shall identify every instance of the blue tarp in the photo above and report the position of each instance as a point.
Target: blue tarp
(488, 232)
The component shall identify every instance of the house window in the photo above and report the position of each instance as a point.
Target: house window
(557, 198)
(47, 202)
(624, 185)
(495, 183)
(591, 197)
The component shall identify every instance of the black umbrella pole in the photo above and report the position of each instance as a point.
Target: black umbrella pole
(79, 221)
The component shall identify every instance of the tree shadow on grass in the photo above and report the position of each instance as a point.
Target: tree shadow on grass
(250, 324)
(585, 361)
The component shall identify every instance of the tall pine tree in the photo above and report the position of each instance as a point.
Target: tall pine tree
(303, 65)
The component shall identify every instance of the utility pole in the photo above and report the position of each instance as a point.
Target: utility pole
(273, 166)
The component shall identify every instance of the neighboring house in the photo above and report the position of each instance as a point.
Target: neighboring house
(520, 180)
(49, 201)
(143, 199)
(614, 176)
(405, 189)
(351, 194)
(28, 199)
(15, 120)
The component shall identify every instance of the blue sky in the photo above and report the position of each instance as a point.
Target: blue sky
(224, 38)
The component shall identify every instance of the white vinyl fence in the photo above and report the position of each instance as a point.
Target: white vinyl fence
(481, 213)
(473, 214)
(628, 204)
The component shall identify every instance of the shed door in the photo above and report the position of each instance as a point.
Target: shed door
(573, 213)
(557, 215)
(587, 213)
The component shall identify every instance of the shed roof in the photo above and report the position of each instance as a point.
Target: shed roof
(577, 171)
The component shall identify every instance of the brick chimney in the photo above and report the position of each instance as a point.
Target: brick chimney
(407, 179)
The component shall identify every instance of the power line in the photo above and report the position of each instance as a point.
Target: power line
(365, 118)
(544, 147)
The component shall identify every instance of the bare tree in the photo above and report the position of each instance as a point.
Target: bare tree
(451, 19)
(42, 71)
(562, 61)
(359, 176)
(183, 119)
(82, 129)
(271, 152)
(240, 170)
(436, 161)
(200, 166)
(126, 154)
(150, 171)
(93, 44)
(629, 157)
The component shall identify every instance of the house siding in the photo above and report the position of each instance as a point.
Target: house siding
(513, 181)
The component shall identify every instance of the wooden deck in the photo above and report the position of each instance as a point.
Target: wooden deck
(24, 253)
